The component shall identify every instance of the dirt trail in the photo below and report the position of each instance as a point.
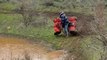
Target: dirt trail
(20, 49)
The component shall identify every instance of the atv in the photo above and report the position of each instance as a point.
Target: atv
(71, 27)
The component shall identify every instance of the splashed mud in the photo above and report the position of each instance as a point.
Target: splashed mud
(20, 49)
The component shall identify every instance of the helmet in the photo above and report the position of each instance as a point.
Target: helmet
(62, 14)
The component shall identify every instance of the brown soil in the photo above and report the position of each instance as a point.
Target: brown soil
(12, 48)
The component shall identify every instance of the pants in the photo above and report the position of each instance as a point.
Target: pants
(66, 32)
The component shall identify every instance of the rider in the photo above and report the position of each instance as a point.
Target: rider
(64, 21)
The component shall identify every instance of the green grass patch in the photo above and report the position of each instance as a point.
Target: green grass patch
(92, 48)
(8, 6)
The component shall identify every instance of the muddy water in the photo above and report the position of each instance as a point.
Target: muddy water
(20, 49)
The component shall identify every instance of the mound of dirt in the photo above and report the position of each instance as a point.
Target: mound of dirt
(21, 49)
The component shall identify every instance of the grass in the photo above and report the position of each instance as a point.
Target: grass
(12, 23)
(12, 6)
(8, 6)
(93, 47)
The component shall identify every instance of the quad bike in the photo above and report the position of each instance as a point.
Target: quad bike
(71, 27)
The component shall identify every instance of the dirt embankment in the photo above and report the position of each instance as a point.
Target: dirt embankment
(12, 48)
